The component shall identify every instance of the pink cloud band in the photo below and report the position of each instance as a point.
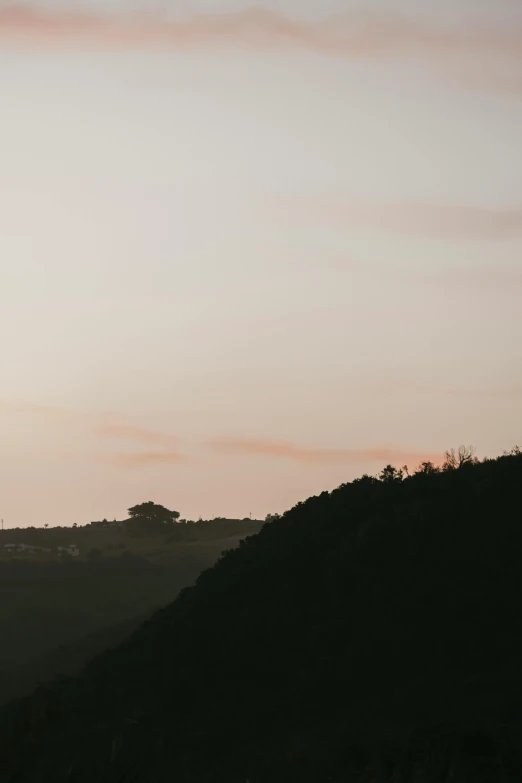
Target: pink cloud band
(270, 448)
(349, 36)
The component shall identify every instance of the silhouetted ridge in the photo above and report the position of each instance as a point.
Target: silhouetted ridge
(377, 627)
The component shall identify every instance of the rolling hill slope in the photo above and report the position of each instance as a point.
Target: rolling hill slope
(55, 616)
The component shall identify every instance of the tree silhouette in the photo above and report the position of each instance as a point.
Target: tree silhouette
(389, 474)
(426, 469)
(150, 517)
(456, 459)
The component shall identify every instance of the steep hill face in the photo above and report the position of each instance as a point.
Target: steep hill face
(66, 660)
(374, 631)
(49, 609)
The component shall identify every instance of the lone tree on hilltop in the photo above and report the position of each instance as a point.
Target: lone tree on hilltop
(150, 518)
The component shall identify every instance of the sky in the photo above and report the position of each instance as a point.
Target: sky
(250, 252)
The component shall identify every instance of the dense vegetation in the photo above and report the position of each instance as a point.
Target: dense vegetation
(56, 613)
(137, 535)
(369, 634)
(65, 660)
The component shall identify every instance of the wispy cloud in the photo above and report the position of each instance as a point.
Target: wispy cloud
(104, 425)
(438, 221)
(51, 414)
(362, 34)
(142, 459)
(137, 434)
(499, 75)
(315, 456)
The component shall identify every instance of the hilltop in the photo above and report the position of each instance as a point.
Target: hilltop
(111, 538)
(372, 633)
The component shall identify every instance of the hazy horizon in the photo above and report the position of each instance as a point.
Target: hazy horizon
(250, 252)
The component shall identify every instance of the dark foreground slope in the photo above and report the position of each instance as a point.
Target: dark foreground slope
(65, 660)
(370, 634)
(57, 614)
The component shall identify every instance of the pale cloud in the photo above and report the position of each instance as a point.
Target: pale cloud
(437, 221)
(353, 35)
(138, 434)
(52, 414)
(143, 459)
(474, 56)
(315, 456)
(105, 425)
(499, 75)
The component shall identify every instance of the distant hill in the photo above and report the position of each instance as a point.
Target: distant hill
(42, 544)
(369, 634)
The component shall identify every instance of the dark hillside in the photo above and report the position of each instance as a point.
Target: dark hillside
(66, 660)
(49, 606)
(45, 605)
(369, 634)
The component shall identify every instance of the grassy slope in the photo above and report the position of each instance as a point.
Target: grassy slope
(376, 626)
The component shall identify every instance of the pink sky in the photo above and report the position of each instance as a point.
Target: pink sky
(251, 252)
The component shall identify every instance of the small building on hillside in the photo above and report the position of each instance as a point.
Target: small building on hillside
(105, 525)
(71, 550)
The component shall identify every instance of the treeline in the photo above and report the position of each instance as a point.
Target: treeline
(113, 535)
(211, 530)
